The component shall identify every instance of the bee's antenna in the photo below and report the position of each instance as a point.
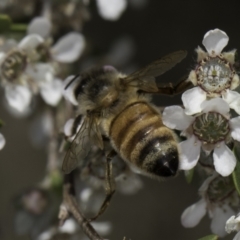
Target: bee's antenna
(74, 78)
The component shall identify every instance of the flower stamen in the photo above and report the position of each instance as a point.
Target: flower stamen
(214, 74)
(13, 65)
(211, 127)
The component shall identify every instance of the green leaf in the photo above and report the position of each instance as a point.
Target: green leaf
(236, 172)
(189, 175)
(56, 181)
(18, 28)
(5, 23)
(209, 237)
(67, 145)
(1, 123)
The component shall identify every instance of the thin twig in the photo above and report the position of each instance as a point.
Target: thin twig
(71, 205)
(53, 142)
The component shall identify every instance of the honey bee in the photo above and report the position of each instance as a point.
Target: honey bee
(118, 107)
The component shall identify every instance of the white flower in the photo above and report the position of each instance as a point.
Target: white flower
(214, 75)
(15, 59)
(194, 213)
(46, 59)
(233, 224)
(103, 228)
(66, 50)
(111, 10)
(218, 211)
(22, 77)
(15, 68)
(69, 226)
(2, 141)
(213, 113)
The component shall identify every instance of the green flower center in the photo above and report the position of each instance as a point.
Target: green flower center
(214, 74)
(211, 127)
(43, 52)
(220, 189)
(13, 65)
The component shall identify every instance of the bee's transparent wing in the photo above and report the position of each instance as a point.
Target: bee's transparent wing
(144, 79)
(81, 144)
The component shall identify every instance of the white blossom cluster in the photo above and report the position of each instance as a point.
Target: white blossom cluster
(207, 124)
(32, 66)
(207, 106)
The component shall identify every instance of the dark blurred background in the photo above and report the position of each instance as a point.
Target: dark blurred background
(156, 29)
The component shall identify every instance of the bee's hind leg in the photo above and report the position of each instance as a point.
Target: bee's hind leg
(109, 185)
(170, 89)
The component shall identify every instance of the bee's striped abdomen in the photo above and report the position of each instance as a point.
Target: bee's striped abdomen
(140, 137)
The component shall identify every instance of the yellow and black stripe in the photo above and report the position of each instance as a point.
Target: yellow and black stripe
(140, 137)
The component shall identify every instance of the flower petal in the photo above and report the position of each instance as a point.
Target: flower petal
(69, 85)
(205, 185)
(40, 26)
(235, 82)
(69, 226)
(189, 153)
(220, 216)
(233, 99)
(193, 214)
(230, 56)
(224, 159)
(68, 127)
(214, 41)
(174, 117)
(193, 77)
(2, 56)
(229, 96)
(8, 45)
(232, 224)
(237, 236)
(192, 100)
(103, 228)
(18, 97)
(235, 128)
(69, 47)
(41, 72)
(30, 42)
(46, 235)
(86, 193)
(2, 141)
(52, 92)
(215, 105)
(111, 10)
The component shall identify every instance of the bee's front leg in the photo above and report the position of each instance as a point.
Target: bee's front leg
(109, 185)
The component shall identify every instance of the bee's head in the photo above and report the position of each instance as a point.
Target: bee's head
(94, 89)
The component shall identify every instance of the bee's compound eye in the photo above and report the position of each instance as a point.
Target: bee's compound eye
(166, 165)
